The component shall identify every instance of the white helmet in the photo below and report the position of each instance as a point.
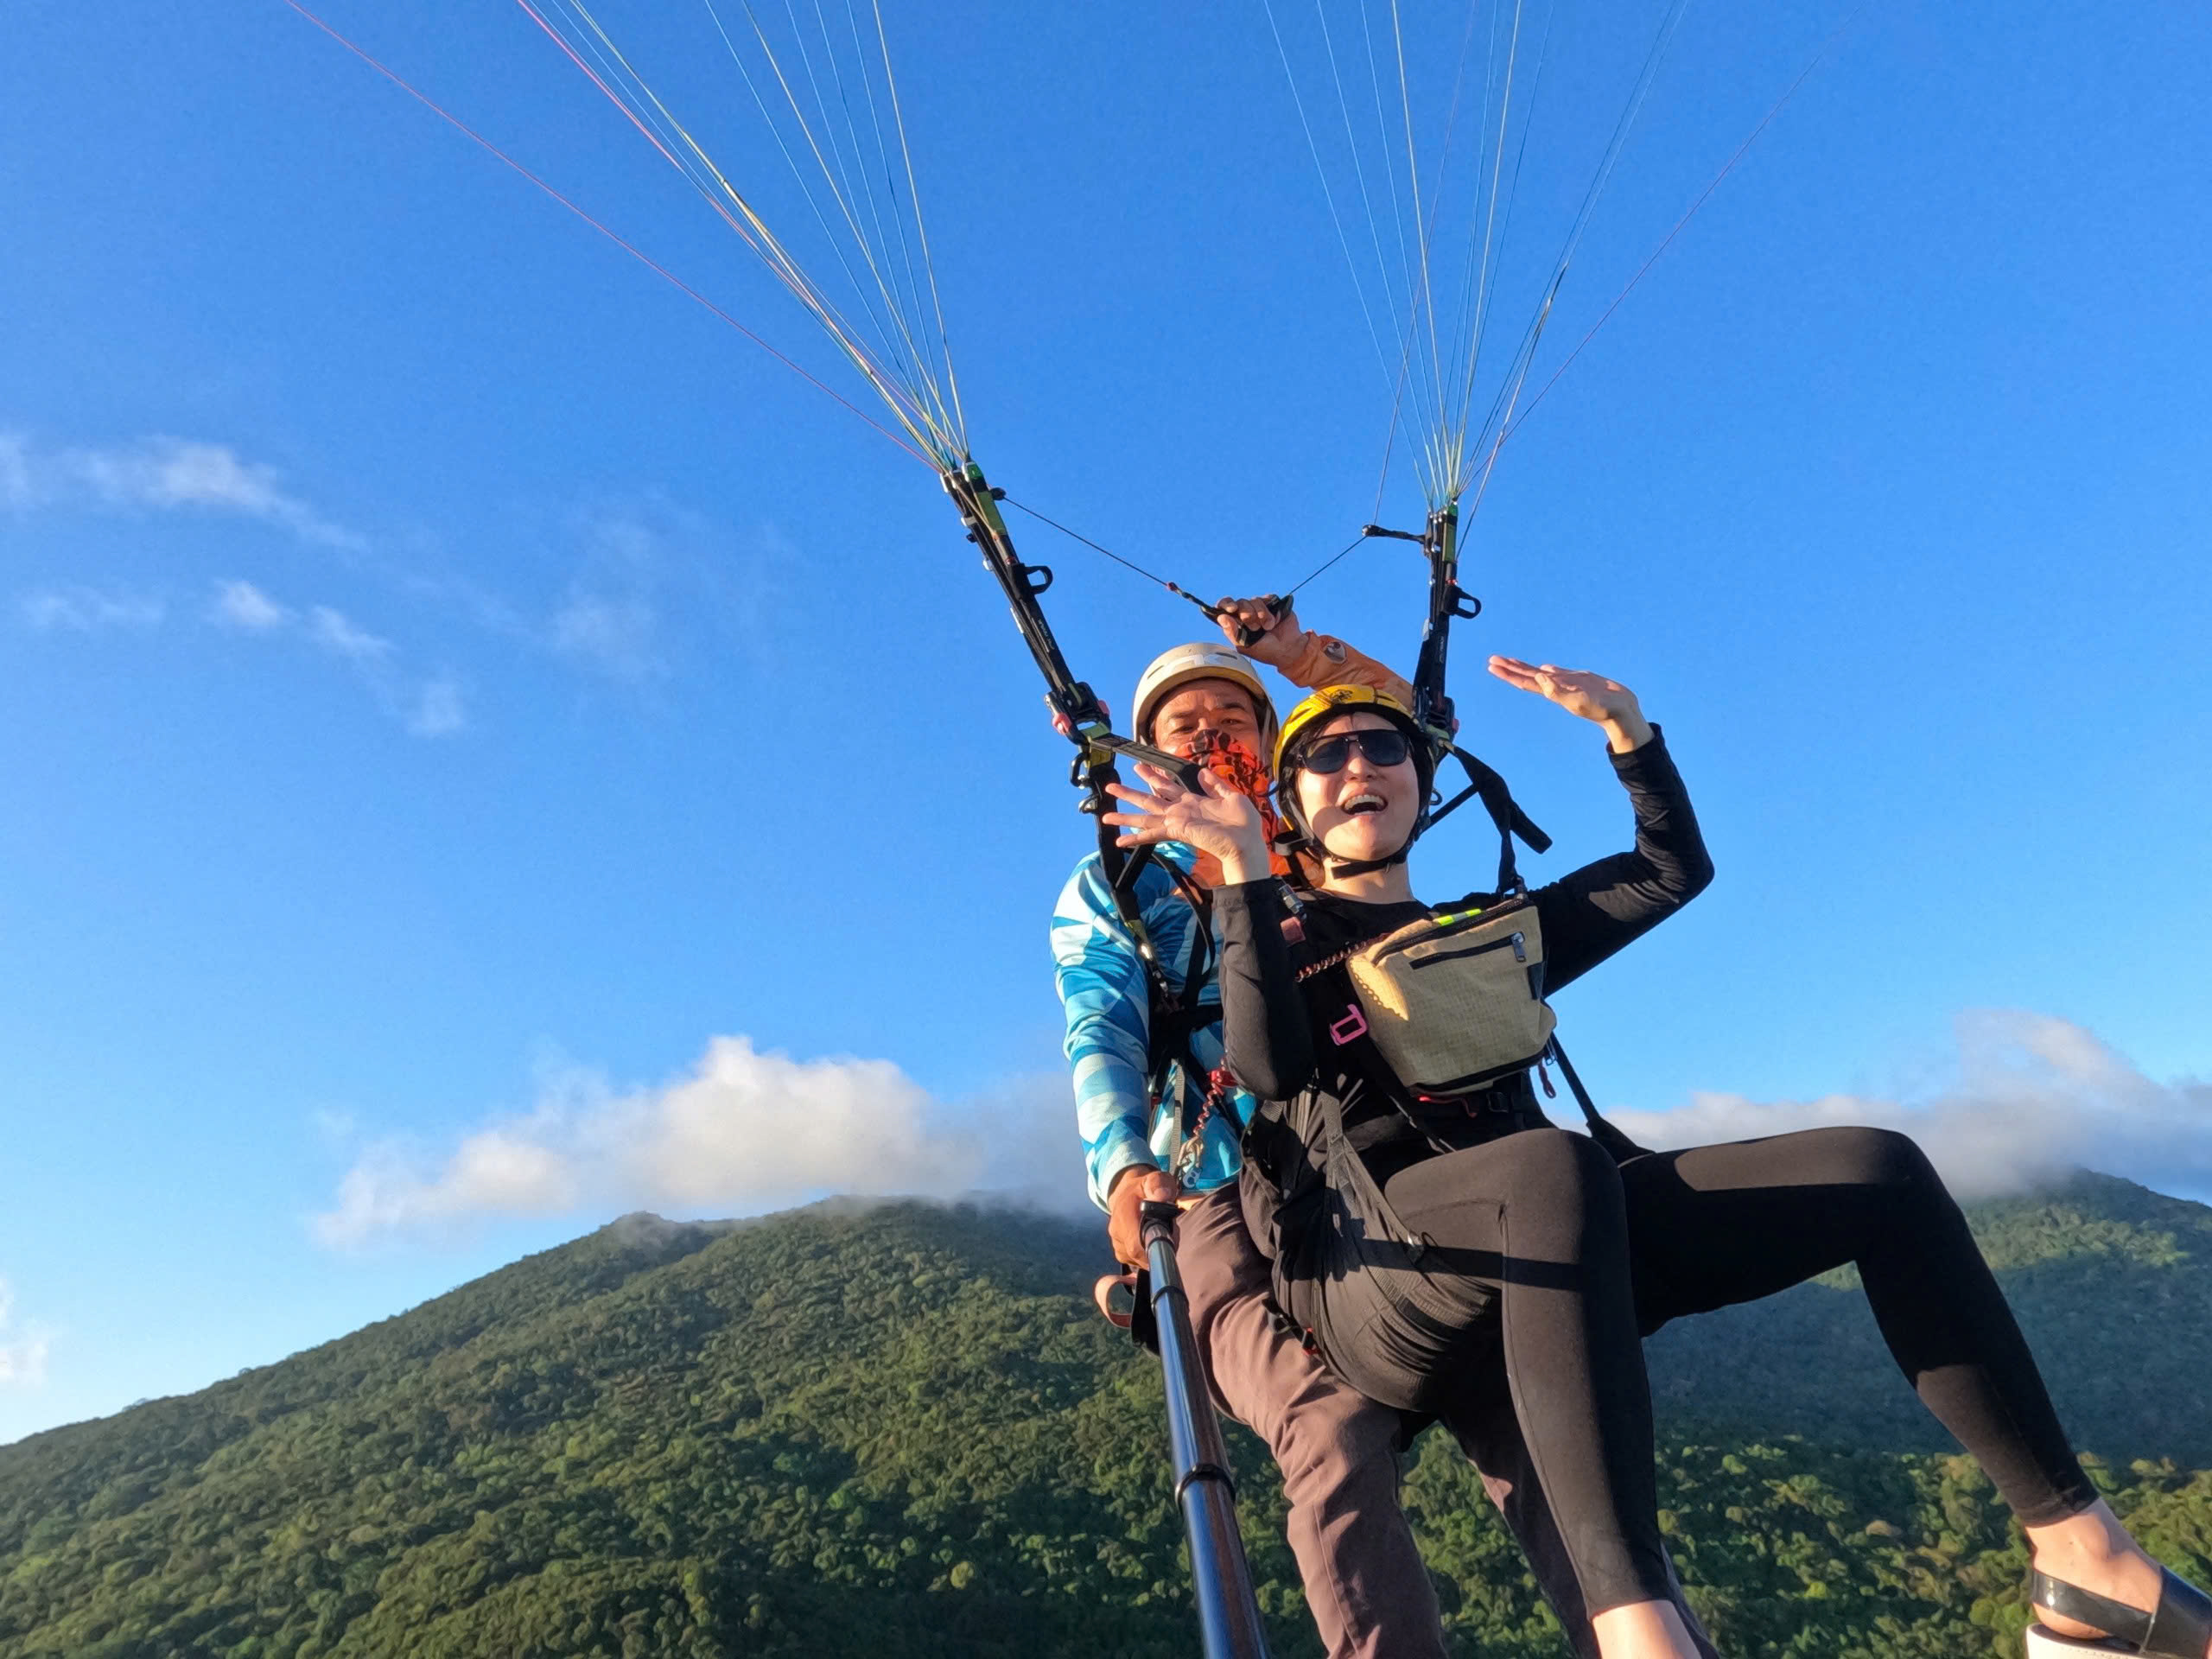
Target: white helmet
(1172, 670)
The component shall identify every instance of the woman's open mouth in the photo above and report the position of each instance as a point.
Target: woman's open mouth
(1367, 802)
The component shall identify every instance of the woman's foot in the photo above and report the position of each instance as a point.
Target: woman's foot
(2092, 1552)
(1642, 1630)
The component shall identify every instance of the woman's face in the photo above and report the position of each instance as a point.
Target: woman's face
(1364, 810)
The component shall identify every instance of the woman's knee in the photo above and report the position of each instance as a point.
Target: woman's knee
(1887, 1160)
(1556, 1160)
(1556, 1180)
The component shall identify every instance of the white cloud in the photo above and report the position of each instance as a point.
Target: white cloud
(22, 1357)
(242, 605)
(653, 585)
(616, 635)
(330, 631)
(646, 589)
(90, 610)
(432, 707)
(167, 474)
(743, 1130)
(438, 708)
(17, 493)
(610, 620)
(2035, 1096)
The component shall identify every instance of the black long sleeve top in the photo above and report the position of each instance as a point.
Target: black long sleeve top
(1585, 917)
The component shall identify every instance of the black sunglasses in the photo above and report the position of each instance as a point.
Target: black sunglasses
(1382, 746)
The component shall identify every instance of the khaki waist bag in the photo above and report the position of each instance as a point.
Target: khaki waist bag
(1454, 1001)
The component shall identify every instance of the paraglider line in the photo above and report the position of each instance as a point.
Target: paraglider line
(635, 252)
(657, 123)
(1212, 610)
(1077, 535)
(1290, 592)
(1742, 149)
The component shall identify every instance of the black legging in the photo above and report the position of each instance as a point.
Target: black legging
(1543, 1264)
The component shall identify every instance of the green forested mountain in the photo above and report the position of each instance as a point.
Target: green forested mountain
(900, 1431)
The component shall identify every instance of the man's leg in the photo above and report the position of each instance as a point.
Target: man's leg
(1337, 1450)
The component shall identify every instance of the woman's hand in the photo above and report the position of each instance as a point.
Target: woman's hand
(1589, 696)
(1214, 818)
(1280, 638)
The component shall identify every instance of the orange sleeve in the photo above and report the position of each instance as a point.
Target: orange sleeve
(1326, 660)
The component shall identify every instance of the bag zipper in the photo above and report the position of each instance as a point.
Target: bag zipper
(1516, 941)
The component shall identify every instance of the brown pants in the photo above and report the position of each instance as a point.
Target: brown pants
(1338, 1453)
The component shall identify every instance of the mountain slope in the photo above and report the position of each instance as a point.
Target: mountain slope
(900, 1431)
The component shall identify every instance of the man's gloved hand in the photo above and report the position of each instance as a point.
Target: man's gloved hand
(1280, 638)
(1123, 1225)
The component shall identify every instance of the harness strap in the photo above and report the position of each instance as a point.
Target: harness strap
(1608, 1135)
(1348, 1170)
(1173, 1017)
(1484, 783)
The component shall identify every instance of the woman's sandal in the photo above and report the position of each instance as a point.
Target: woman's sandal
(2179, 1628)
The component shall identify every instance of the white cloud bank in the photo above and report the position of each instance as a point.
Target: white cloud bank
(746, 1130)
(160, 474)
(22, 1354)
(2035, 1096)
(743, 1130)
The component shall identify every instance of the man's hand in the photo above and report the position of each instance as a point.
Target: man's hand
(1280, 638)
(1123, 1223)
(1604, 703)
(1065, 728)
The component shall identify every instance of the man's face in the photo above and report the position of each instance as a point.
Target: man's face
(1221, 707)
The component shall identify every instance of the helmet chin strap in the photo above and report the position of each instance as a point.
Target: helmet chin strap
(1335, 866)
(1362, 865)
(1300, 837)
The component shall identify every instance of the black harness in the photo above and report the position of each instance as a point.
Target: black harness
(1301, 1146)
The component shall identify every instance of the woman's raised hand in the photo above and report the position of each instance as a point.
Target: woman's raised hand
(1213, 818)
(1590, 696)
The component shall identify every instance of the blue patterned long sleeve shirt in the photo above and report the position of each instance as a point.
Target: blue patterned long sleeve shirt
(1102, 991)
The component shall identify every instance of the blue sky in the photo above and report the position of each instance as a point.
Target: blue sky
(487, 749)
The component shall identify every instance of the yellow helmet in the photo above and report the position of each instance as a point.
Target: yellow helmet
(1333, 700)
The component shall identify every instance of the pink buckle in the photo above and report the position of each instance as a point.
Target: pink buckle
(1352, 1026)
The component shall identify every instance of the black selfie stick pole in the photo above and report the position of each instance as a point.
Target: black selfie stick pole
(1229, 1613)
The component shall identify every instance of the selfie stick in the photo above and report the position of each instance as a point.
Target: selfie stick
(1229, 1613)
